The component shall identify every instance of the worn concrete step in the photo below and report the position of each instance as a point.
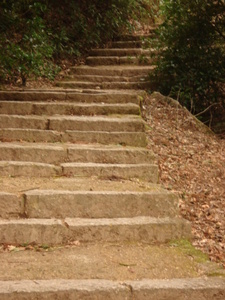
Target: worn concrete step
(61, 108)
(60, 204)
(137, 139)
(119, 71)
(28, 169)
(43, 153)
(129, 123)
(55, 231)
(118, 60)
(136, 37)
(104, 85)
(119, 52)
(127, 44)
(57, 153)
(90, 204)
(20, 185)
(81, 123)
(31, 135)
(205, 289)
(144, 171)
(71, 95)
(98, 78)
(179, 289)
(110, 261)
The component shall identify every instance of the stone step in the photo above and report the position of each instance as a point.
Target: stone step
(145, 171)
(71, 95)
(119, 71)
(28, 169)
(103, 85)
(119, 52)
(81, 123)
(55, 231)
(126, 138)
(43, 153)
(98, 78)
(148, 172)
(59, 153)
(97, 123)
(97, 204)
(60, 204)
(61, 108)
(127, 44)
(21, 185)
(118, 60)
(137, 139)
(179, 289)
(136, 37)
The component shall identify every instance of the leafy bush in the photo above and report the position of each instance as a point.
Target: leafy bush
(190, 53)
(24, 44)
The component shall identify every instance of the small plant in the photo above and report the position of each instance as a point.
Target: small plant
(143, 59)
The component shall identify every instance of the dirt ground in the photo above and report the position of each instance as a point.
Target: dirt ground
(192, 164)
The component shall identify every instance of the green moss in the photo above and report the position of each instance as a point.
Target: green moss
(187, 248)
(217, 274)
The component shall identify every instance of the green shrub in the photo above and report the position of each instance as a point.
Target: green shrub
(190, 60)
(25, 48)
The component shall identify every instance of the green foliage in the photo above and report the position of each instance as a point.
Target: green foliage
(36, 34)
(24, 45)
(190, 53)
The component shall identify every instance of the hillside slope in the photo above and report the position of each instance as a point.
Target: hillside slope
(192, 164)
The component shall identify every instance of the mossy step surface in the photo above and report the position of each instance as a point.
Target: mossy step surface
(108, 261)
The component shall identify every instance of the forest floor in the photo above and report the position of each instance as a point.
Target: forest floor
(191, 161)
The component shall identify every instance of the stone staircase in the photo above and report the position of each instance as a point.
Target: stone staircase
(125, 65)
(74, 166)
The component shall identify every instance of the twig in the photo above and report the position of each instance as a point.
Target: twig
(201, 113)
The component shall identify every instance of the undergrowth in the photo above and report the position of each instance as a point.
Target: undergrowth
(190, 56)
(36, 35)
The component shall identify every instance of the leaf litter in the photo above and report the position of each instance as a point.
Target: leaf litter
(191, 161)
